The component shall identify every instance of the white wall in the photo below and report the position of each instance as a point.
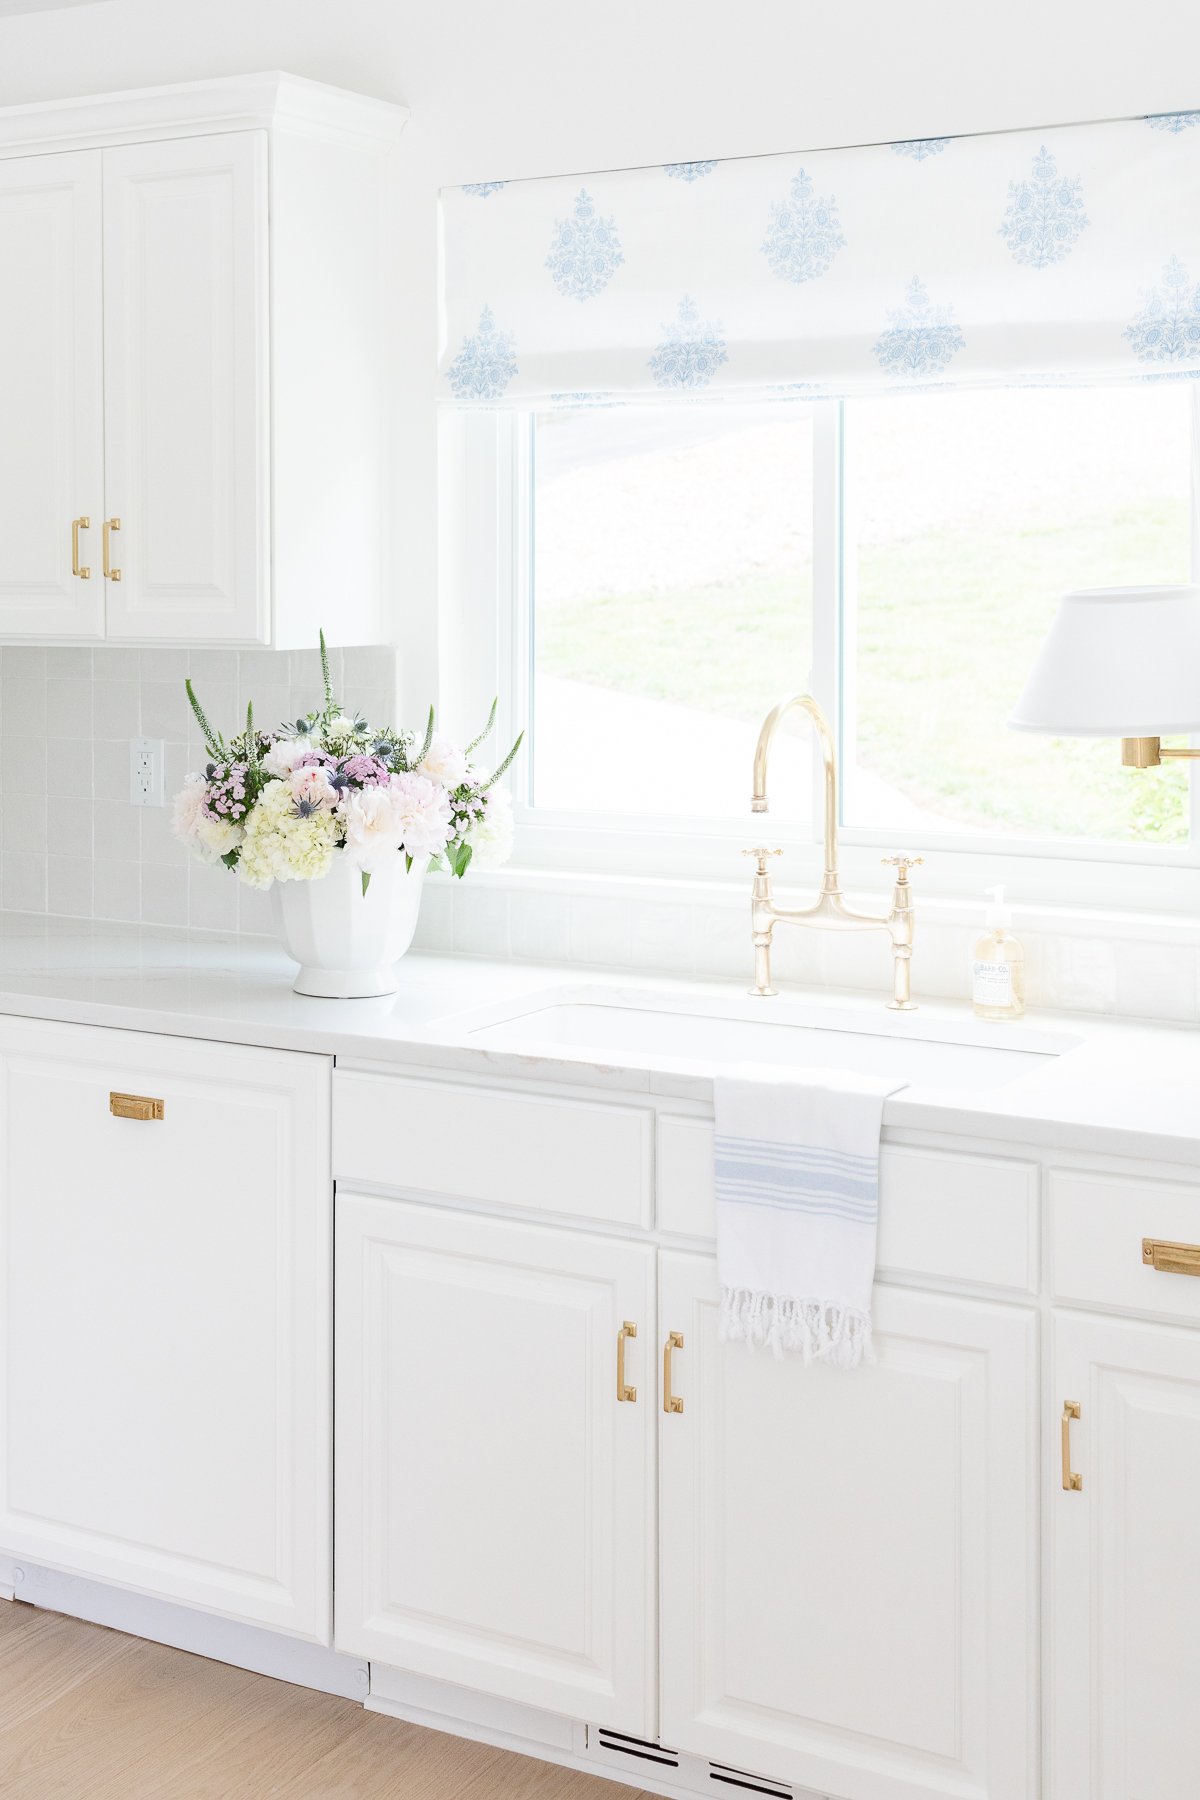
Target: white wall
(508, 88)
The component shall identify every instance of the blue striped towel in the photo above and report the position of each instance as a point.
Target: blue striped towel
(797, 1208)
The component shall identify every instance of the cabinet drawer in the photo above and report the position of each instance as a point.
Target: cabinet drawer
(942, 1213)
(1098, 1223)
(578, 1158)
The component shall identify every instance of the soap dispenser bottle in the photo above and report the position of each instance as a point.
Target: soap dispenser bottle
(998, 967)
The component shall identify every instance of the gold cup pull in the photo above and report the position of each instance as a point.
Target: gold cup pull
(624, 1390)
(671, 1401)
(1071, 1482)
(82, 523)
(1171, 1259)
(110, 525)
(135, 1106)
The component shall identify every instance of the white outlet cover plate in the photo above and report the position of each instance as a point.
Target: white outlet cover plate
(146, 771)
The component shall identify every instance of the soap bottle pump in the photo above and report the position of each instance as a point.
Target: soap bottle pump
(998, 967)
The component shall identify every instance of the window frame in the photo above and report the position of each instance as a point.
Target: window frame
(485, 636)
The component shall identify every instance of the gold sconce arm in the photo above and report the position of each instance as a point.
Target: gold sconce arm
(1148, 752)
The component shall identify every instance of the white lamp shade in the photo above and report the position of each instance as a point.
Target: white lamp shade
(1117, 662)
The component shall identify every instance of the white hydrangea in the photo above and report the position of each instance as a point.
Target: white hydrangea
(278, 845)
(491, 840)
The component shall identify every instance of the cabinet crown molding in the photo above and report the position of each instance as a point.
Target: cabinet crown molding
(196, 108)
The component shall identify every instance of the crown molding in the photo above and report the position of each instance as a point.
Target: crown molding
(199, 108)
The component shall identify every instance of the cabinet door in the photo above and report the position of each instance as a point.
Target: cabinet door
(494, 1496)
(185, 378)
(165, 1336)
(51, 372)
(1126, 1649)
(848, 1557)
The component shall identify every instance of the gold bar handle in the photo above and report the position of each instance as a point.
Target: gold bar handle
(135, 1106)
(1171, 1259)
(82, 523)
(624, 1390)
(110, 525)
(671, 1401)
(1072, 1482)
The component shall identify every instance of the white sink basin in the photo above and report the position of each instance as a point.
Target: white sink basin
(606, 1025)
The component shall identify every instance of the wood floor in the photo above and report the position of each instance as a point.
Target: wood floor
(88, 1714)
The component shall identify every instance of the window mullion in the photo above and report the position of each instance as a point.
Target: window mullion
(828, 590)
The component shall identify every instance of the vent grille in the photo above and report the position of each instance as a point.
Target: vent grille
(640, 1749)
(749, 1784)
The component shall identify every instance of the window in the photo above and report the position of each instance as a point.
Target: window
(678, 567)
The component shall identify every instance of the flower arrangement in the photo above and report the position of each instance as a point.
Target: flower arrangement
(280, 805)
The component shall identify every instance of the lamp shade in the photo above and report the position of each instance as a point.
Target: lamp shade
(1117, 662)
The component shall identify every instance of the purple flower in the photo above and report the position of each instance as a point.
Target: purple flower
(367, 771)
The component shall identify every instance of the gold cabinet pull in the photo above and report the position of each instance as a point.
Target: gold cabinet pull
(135, 1106)
(624, 1390)
(82, 523)
(110, 525)
(1171, 1259)
(671, 1401)
(1070, 1480)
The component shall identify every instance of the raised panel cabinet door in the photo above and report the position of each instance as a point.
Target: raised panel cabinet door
(494, 1496)
(1125, 1661)
(185, 382)
(165, 1328)
(848, 1556)
(51, 397)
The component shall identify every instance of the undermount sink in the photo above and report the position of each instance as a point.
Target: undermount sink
(598, 1025)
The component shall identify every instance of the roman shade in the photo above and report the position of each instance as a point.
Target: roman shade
(1069, 255)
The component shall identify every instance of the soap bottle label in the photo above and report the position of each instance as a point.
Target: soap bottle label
(991, 982)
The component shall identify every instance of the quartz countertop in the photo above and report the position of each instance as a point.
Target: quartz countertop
(1126, 1088)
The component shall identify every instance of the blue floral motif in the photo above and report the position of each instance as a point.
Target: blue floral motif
(1167, 330)
(691, 352)
(1044, 215)
(804, 235)
(921, 338)
(485, 365)
(920, 148)
(1173, 122)
(481, 189)
(689, 171)
(585, 251)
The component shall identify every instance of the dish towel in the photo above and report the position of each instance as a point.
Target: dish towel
(797, 1157)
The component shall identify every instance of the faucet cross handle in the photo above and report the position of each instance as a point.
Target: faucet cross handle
(762, 854)
(902, 864)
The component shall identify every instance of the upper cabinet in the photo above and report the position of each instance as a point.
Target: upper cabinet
(194, 366)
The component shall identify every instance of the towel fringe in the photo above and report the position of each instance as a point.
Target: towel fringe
(821, 1332)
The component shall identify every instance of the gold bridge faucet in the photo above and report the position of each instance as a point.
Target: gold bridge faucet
(829, 911)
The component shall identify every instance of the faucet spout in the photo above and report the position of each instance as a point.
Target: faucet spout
(824, 735)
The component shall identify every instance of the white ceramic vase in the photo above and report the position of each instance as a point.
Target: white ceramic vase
(346, 942)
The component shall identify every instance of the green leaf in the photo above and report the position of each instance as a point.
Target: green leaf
(463, 859)
(494, 777)
(366, 881)
(486, 732)
(230, 858)
(408, 863)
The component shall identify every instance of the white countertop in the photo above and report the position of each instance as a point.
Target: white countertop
(1127, 1088)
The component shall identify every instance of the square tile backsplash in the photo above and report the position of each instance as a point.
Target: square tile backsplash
(70, 842)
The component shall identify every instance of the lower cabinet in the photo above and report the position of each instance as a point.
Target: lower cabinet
(848, 1562)
(495, 1491)
(165, 1336)
(1124, 1721)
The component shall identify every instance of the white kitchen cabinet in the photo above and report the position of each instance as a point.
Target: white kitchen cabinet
(495, 1496)
(848, 1561)
(185, 384)
(51, 397)
(165, 1338)
(195, 359)
(1125, 1660)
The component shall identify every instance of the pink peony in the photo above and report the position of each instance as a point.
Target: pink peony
(423, 808)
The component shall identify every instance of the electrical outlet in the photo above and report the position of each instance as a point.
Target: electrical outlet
(145, 771)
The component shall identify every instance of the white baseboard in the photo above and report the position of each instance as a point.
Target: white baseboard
(203, 1634)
